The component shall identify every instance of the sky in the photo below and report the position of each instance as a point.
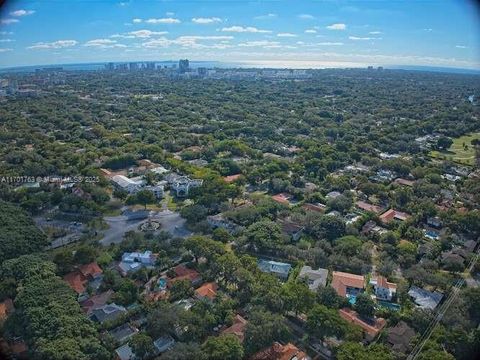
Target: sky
(290, 33)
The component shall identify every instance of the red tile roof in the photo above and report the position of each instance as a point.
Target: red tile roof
(237, 328)
(91, 269)
(96, 301)
(231, 178)
(6, 308)
(368, 207)
(372, 329)
(183, 273)
(391, 214)
(76, 281)
(282, 198)
(281, 352)
(341, 280)
(208, 290)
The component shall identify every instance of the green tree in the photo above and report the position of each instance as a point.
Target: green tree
(364, 305)
(142, 345)
(224, 347)
(264, 235)
(356, 351)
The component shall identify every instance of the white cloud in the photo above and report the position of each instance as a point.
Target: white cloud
(310, 31)
(338, 26)
(428, 29)
(375, 32)
(330, 43)
(188, 41)
(54, 45)
(139, 34)
(104, 44)
(22, 12)
(9, 21)
(286, 35)
(6, 40)
(241, 29)
(356, 38)
(137, 21)
(306, 17)
(169, 13)
(5, 50)
(204, 21)
(265, 17)
(258, 43)
(461, 47)
(168, 20)
(6, 33)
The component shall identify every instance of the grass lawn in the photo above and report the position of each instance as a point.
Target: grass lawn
(457, 152)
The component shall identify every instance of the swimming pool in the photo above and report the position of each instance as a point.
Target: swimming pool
(388, 305)
(352, 299)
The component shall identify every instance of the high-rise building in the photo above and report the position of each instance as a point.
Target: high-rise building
(202, 71)
(133, 66)
(150, 66)
(110, 66)
(183, 66)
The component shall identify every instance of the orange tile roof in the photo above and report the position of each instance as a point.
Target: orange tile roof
(341, 280)
(237, 328)
(208, 290)
(91, 269)
(231, 178)
(6, 307)
(281, 352)
(313, 207)
(368, 207)
(391, 214)
(96, 301)
(371, 329)
(282, 198)
(76, 281)
(382, 282)
(183, 273)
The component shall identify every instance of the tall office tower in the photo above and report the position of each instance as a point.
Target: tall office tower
(183, 66)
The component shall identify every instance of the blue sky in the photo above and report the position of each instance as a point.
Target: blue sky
(280, 33)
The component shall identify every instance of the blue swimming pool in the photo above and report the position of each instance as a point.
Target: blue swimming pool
(388, 305)
(352, 299)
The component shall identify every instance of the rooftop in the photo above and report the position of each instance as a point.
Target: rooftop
(208, 290)
(370, 328)
(341, 281)
(281, 352)
(237, 328)
(424, 298)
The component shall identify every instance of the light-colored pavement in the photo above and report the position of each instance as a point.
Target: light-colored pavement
(118, 225)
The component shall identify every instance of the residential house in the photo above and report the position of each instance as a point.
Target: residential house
(274, 267)
(134, 261)
(281, 352)
(282, 198)
(400, 336)
(107, 312)
(219, 221)
(435, 222)
(371, 328)
(184, 273)
(315, 207)
(157, 190)
(82, 277)
(392, 214)
(182, 184)
(123, 333)
(404, 182)
(163, 344)
(237, 328)
(6, 308)
(346, 284)
(333, 195)
(362, 205)
(96, 301)
(291, 229)
(425, 299)
(315, 278)
(207, 291)
(124, 352)
(384, 290)
(232, 178)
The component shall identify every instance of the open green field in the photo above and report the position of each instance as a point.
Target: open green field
(458, 152)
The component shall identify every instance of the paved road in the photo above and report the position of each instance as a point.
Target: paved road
(119, 225)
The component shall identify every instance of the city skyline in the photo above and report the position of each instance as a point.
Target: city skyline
(313, 34)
